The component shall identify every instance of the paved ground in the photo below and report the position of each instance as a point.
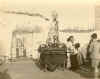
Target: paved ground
(26, 69)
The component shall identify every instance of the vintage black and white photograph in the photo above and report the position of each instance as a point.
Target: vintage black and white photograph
(49, 39)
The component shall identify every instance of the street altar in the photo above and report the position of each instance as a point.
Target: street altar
(52, 57)
(53, 52)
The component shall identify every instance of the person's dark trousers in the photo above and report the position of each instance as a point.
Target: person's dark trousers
(89, 61)
(90, 64)
(74, 62)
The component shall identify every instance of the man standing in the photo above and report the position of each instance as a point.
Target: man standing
(95, 52)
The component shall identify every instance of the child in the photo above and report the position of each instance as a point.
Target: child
(73, 57)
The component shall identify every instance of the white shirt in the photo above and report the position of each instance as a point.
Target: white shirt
(70, 47)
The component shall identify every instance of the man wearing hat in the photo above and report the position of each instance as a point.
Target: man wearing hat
(95, 52)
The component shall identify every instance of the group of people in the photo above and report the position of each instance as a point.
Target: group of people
(92, 56)
(72, 53)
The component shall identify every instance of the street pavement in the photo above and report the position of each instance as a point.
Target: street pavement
(27, 69)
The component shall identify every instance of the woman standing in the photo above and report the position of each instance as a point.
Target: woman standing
(70, 50)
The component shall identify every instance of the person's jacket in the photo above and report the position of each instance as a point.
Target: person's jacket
(95, 49)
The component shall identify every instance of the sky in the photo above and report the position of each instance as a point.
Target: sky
(71, 12)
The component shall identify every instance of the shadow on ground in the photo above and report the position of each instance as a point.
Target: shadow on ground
(5, 75)
(86, 72)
